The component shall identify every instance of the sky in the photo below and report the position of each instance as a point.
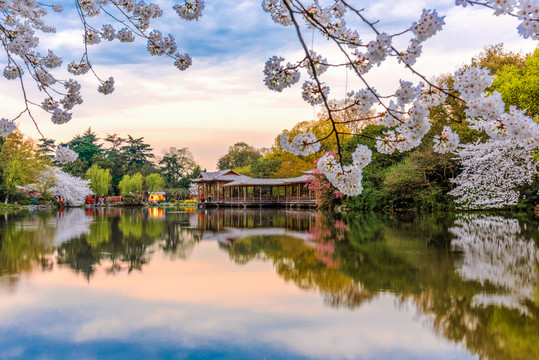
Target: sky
(221, 99)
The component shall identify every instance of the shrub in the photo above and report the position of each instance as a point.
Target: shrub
(132, 200)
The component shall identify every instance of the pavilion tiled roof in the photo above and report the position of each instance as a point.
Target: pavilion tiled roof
(247, 181)
(226, 175)
(234, 179)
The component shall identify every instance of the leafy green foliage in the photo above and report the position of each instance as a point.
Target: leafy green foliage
(519, 84)
(265, 167)
(131, 184)
(99, 179)
(86, 145)
(154, 182)
(178, 167)
(20, 163)
(240, 154)
(137, 152)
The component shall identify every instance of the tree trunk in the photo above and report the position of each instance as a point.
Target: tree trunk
(7, 196)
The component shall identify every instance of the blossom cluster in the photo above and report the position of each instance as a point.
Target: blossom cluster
(312, 93)
(448, 141)
(320, 64)
(190, 10)
(346, 178)
(279, 12)
(486, 111)
(107, 87)
(6, 127)
(65, 155)
(279, 77)
(428, 25)
(302, 144)
(527, 12)
(363, 100)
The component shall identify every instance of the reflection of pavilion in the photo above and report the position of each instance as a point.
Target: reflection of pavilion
(228, 235)
(229, 188)
(226, 226)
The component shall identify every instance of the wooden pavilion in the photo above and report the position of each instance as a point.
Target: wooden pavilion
(229, 188)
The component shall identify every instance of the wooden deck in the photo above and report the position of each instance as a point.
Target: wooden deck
(260, 203)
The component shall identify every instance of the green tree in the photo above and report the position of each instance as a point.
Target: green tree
(519, 84)
(113, 159)
(47, 147)
(265, 167)
(100, 179)
(131, 184)
(177, 164)
(137, 153)
(20, 163)
(240, 154)
(86, 145)
(495, 58)
(155, 182)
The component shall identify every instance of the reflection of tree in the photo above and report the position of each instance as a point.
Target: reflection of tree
(414, 259)
(296, 261)
(426, 271)
(350, 296)
(324, 233)
(71, 224)
(79, 255)
(123, 240)
(178, 239)
(99, 232)
(495, 252)
(131, 226)
(22, 247)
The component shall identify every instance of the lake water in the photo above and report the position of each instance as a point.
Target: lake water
(253, 284)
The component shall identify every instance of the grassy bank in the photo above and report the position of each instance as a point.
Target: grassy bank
(6, 209)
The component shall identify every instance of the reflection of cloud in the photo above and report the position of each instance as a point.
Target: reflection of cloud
(71, 224)
(209, 300)
(374, 330)
(495, 252)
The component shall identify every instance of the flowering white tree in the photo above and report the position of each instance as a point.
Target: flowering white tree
(491, 173)
(71, 189)
(361, 47)
(193, 190)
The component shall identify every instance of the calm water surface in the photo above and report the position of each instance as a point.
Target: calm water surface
(231, 284)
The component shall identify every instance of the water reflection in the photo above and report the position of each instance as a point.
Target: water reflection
(472, 279)
(496, 252)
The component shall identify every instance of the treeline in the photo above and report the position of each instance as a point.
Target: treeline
(417, 179)
(115, 165)
(131, 164)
